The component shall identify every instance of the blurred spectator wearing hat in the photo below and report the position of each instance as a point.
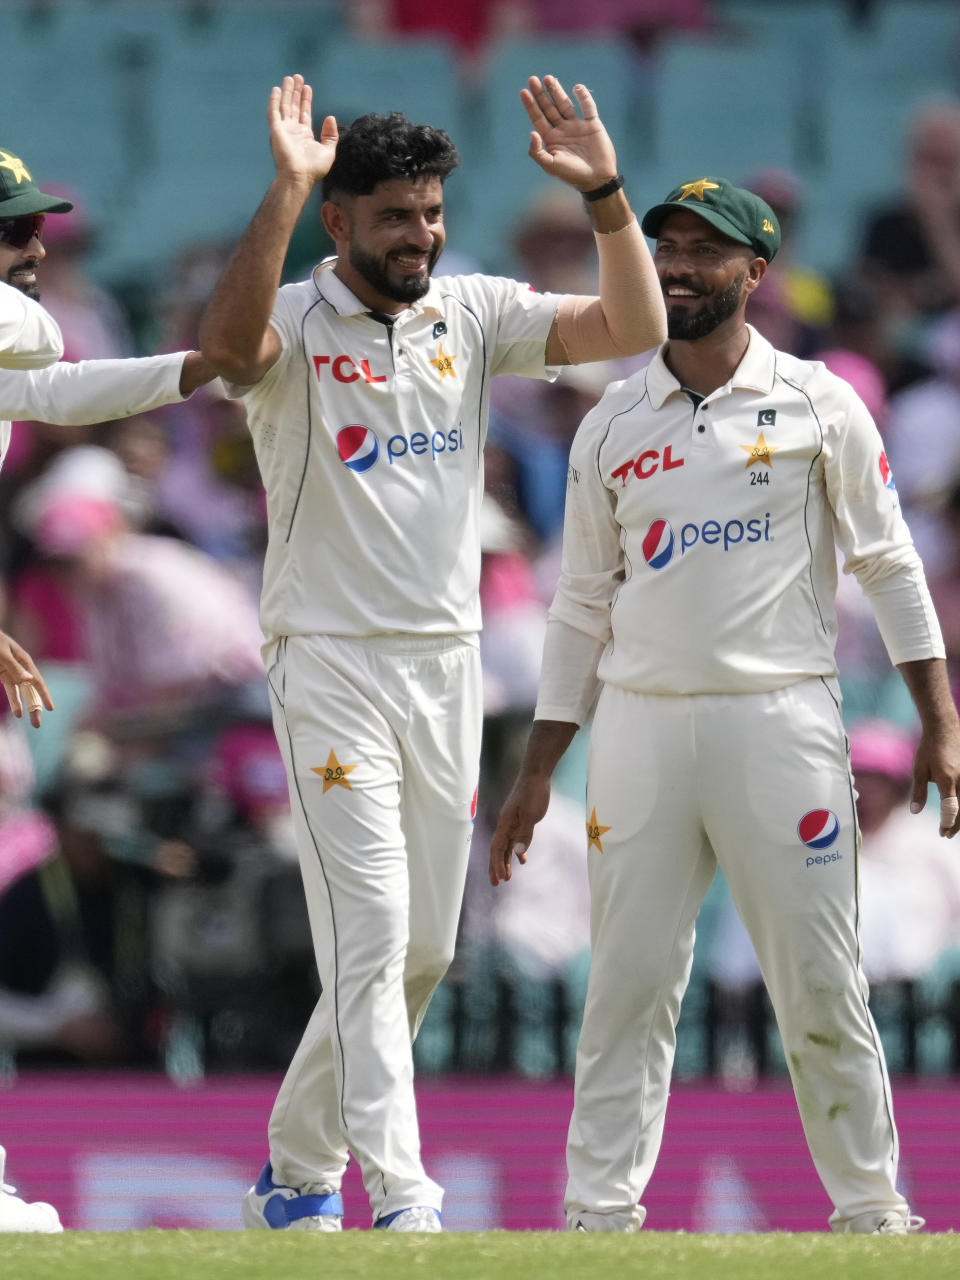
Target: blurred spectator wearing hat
(166, 630)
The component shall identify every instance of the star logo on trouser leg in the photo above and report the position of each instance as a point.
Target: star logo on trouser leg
(333, 773)
(594, 832)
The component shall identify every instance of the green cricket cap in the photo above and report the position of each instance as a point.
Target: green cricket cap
(736, 212)
(20, 195)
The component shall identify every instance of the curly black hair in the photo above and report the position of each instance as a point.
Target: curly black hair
(375, 148)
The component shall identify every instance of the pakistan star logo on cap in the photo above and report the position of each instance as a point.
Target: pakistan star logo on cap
(15, 165)
(697, 188)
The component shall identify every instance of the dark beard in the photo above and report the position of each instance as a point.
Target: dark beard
(375, 274)
(684, 327)
(32, 290)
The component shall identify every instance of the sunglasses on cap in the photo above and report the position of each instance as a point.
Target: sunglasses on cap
(18, 232)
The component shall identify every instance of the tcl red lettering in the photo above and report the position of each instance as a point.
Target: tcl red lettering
(345, 369)
(640, 471)
(647, 465)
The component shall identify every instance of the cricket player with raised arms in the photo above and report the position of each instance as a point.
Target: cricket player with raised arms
(367, 388)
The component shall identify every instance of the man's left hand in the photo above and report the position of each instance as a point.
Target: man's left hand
(575, 149)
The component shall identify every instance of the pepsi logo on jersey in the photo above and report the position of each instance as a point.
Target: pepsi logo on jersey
(660, 542)
(359, 448)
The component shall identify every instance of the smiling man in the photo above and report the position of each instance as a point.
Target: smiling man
(367, 389)
(707, 498)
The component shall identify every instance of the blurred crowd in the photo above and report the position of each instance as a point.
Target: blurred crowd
(150, 903)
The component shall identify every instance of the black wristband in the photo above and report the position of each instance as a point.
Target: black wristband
(608, 188)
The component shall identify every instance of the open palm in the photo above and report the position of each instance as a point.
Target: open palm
(577, 149)
(295, 149)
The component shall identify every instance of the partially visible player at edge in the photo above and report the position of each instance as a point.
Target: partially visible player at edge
(33, 386)
(366, 387)
(707, 498)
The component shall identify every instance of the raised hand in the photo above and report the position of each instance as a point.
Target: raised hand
(577, 149)
(296, 152)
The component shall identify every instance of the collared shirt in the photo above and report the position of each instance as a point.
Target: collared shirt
(369, 438)
(700, 541)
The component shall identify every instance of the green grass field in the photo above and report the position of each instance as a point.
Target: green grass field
(494, 1255)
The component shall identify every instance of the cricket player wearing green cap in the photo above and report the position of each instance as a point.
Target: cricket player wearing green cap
(707, 498)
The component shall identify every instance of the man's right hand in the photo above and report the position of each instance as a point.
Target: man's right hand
(296, 152)
(17, 668)
(524, 807)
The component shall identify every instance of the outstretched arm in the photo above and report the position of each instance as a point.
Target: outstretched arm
(235, 334)
(629, 316)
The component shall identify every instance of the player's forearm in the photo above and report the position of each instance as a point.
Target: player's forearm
(546, 745)
(195, 372)
(929, 688)
(629, 316)
(234, 329)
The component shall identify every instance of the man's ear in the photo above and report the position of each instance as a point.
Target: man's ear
(756, 270)
(336, 221)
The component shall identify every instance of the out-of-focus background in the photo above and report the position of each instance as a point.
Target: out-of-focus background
(155, 962)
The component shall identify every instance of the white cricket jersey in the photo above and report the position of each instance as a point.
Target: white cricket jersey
(30, 338)
(369, 439)
(700, 542)
(76, 394)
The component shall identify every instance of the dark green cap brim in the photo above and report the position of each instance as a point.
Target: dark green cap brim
(653, 218)
(33, 201)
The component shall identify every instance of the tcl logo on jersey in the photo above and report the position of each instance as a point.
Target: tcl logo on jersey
(661, 544)
(886, 475)
(345, 369)
(643, 467)
(359, 448)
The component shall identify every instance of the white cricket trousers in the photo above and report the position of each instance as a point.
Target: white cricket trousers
(381, 741)
(679, 785)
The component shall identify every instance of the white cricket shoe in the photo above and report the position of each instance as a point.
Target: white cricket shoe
(895, 1222)
(419, 1218)
(18, 1215)
(278, 1207)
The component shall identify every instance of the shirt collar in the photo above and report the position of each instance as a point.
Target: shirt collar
(755, 372)
(329, 285)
